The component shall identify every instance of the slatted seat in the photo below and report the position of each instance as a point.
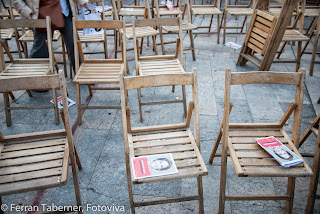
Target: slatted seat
(205, 10)
(313, 186)
(26, 67)
(235, 10)
(239, 139)
(7, 34)
(162, 64)
(38, 160)
(294, 35)
(140, 32)
(97, 71)
(163, 11)
(176, 139)
(28, 36)
(132, 11)
(185, 26)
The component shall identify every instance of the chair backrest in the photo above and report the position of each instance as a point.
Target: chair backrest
(56, 81)
(158, 22)
(157, 6)
(267, 77)
(27, 23)
(138, 82)
(118, 4)
(105, 24)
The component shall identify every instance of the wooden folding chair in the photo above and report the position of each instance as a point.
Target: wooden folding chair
(208, 10)
(315, 45)
(38, 160)
(26, 67)
(235, 10)
(265, 34)
(141, 32)
(162, 64)
(185, 25)
(97, 71)
(312, 195)
(248, 158)
(169, 138)
(96, 38)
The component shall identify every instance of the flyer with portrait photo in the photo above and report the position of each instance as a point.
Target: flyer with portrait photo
(282, 154)
(153, 165)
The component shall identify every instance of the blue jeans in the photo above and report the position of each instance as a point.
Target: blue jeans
(40, 49)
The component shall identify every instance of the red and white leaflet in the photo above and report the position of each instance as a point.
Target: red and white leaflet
(282, 154)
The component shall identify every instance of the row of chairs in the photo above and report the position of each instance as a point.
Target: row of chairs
(49, 153)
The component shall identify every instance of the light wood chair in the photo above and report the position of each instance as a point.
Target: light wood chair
(265, 34)
(208, 10)
(185, 25)
(293, 35)
(161, 64)
(141, 32)
(312, 195)
(97, 38)
(169, 138)
(26, 67)
(248, 158)
(235, 10)
(97, 71)
(38, 160)
(315, 45)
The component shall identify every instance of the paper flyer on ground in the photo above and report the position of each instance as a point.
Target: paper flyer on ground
(282, 154)
(233, 45)
(153, 165)
(60, 105)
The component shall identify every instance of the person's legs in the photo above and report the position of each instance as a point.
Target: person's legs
(39, 48)
(67, 33)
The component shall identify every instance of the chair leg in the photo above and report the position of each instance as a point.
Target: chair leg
(64, 57)
(161, 40)
(79, 105)
(218, 29)
(215, 146)
(290, 192)
(209, 30)
(12, 96)
(224, 27)
(6, 108)
(133, 211)
(140, 105)
(192, 46)
(223, 181)
(115, 44)
(298, 56)
(55, 105)
(75, 179)
(29, 93)
(244, 22)
(141, 45)
(154, 41)
(200, 193)
(314, 179)
(184, 100)
(90, 90)
(281, 50)
(77, 158)
(314, 51)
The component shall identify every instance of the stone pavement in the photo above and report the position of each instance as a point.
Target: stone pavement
(100, 142)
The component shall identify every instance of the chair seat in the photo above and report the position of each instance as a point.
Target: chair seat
(140, 32)
(185, 27)
(26, 67)
(178, 141)
(28, 36)
(163, 11)
(27, 163)
(108, 13)
(277, 11)
(250, 159)
(161, 66)
(240, 11)
(90, 38)
(7, 34)
(5, 13)
(205, 10)
(126, 11)
(294, 35)
(95, 73)
(311, 12)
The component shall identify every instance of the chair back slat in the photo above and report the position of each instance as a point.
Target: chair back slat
(265, 77)
(23, 23)
(107, 24)
(158, 80)
(29, 83)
